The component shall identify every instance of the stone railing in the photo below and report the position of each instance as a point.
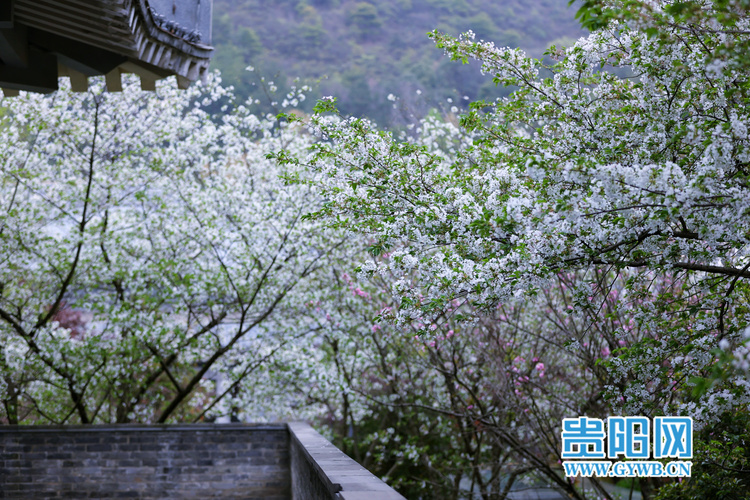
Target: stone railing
(320, 471)
(269, 462)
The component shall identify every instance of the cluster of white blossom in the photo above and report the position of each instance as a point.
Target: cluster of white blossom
(148, 252)
(630, 157)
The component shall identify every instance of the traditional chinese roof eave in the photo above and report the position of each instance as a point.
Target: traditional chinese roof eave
(41, 40)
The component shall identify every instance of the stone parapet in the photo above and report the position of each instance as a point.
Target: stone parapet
(196, 461)
(320, 471)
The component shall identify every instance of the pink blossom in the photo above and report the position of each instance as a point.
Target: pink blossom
(605, 351)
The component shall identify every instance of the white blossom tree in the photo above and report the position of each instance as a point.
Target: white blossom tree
(148, 255)
(583, 169)
(472, 410)
(578, 248)
(627, 159)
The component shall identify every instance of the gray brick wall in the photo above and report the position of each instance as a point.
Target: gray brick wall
(146, 462)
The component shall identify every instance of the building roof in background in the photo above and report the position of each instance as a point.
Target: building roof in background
(41, 40)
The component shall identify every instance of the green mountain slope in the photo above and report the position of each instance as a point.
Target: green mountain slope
(362, 51)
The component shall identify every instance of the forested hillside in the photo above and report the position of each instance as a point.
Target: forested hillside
(361, 51)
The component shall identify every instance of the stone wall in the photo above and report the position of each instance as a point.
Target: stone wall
(147, 462)
(320, 471)
(198, 461)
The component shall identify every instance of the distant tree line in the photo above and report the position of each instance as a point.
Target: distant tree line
(362, 51)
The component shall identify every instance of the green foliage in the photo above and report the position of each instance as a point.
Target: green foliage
(593, 14)
(362, 51)
(231, 59)
(249, 42)
(721, 463)
(482, 25)
(365, 19)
